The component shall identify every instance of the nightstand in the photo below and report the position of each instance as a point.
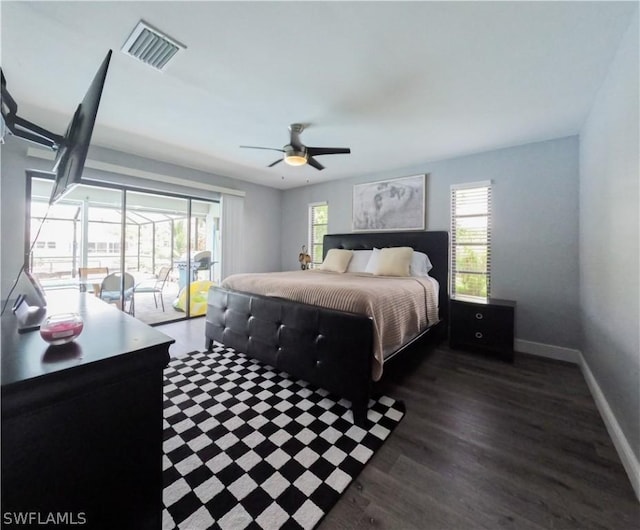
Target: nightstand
(482, 324)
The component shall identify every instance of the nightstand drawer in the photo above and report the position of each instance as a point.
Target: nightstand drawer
(480, 314)
(487, 336)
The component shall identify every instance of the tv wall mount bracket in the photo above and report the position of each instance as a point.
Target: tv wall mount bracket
(23, 128)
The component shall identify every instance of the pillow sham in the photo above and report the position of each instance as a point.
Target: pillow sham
(359, 261)
(394, 261)
(420, 264)
(372, 264)
(336, 260)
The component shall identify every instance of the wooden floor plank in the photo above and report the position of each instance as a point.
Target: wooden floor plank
(478, 503)
(404, 505)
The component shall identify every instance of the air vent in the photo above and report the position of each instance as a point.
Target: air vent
(151, 46)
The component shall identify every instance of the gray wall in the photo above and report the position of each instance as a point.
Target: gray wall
(261, 232)
(535, 228)
(609, 240)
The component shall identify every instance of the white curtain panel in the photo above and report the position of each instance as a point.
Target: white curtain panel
(232, 228)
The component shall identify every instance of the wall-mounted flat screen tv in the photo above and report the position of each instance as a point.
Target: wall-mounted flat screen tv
(72, 154)
(71, 148)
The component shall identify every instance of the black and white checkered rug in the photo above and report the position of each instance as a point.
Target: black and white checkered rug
(246, 446)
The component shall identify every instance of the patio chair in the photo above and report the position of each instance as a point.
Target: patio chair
(110, 289)
(92, 276)
(154, 285)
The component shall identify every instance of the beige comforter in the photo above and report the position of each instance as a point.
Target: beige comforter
(400, 307)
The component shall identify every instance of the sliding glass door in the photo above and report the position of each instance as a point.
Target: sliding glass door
(203, 242)
(165, 247)
(84, 231)
(154, 244)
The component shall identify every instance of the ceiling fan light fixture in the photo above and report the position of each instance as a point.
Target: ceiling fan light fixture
(295, 155)
(296, 159)
(298, 154)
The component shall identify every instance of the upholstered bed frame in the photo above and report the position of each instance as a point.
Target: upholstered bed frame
(330, 349)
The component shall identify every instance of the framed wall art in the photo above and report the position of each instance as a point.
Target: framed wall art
(396, 204)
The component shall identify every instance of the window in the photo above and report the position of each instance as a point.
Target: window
(114, 247)
(318, 222)
(471, 239)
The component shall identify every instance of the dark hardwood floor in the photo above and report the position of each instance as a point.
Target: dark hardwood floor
(484, 444)
(188, 334)
(487, 444)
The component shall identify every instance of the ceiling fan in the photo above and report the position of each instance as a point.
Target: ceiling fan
(298, 154)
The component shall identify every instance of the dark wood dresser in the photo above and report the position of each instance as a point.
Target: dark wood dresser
(82, 422)
(482, 324)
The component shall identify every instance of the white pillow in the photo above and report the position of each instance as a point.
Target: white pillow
(372, 265)
(336, 260)
(420, 264)
(394, 261)
(359, 260)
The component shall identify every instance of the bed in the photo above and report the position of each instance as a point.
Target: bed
(333, 349)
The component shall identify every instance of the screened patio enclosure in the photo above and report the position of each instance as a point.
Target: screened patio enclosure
(142, 233)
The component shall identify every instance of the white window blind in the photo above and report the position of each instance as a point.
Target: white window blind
(233, 258)
(471, 239)
(318, 223)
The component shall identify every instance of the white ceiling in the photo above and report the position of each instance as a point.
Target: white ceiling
(400, 83)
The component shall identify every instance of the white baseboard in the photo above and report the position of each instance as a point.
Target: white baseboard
(625, 452)
(548, 350)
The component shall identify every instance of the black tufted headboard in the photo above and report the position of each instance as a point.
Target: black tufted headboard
(434, 244)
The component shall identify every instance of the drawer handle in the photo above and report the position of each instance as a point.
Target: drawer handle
(479, 316)
(478, 335)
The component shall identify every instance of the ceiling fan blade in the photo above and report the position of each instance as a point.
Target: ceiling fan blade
(267, 148)
(313, 151)
(314, 163)
(274, 163)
